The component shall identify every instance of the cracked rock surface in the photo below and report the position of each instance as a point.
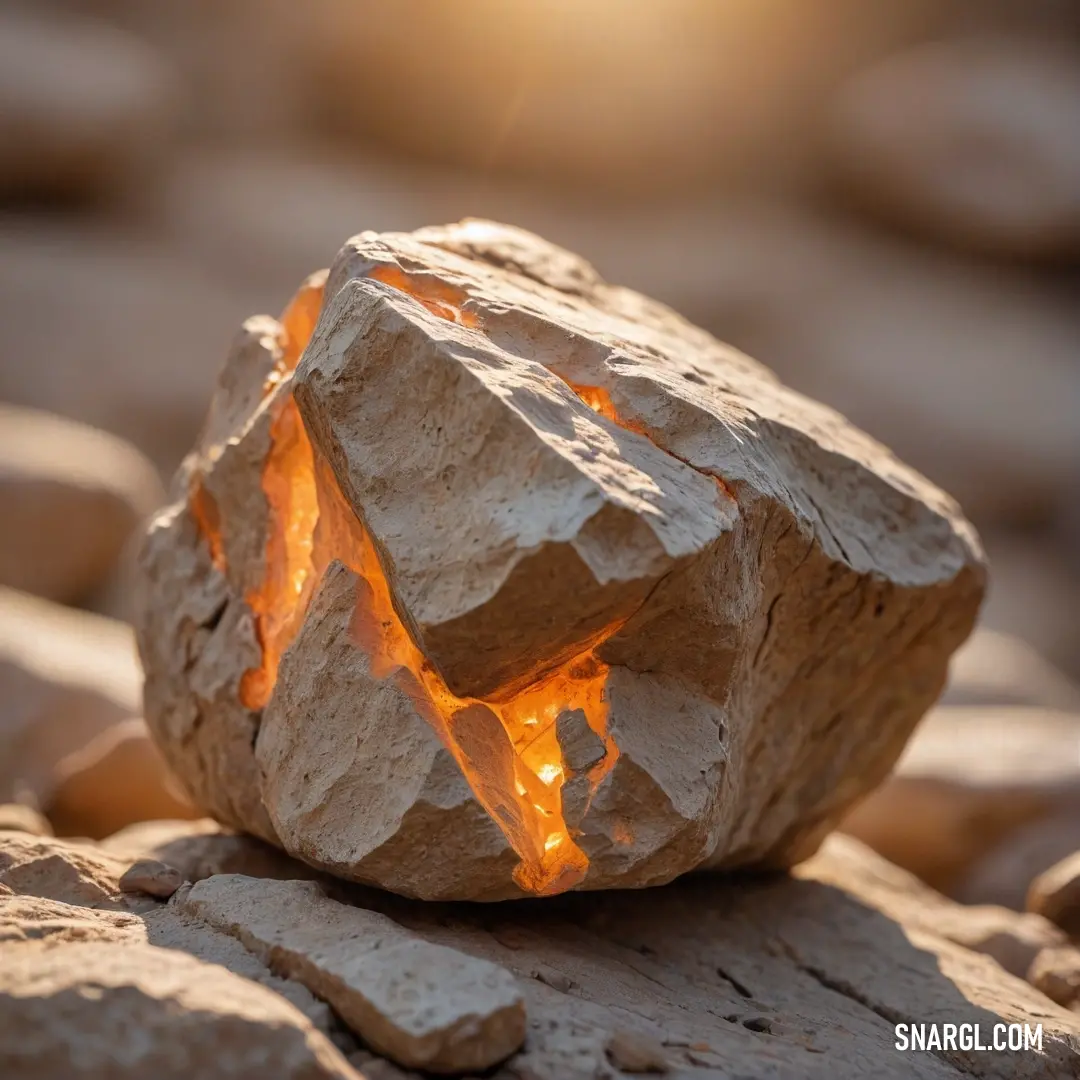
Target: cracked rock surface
(465, 488)
(798, 976)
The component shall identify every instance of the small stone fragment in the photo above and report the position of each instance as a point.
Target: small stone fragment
(1056, 972)
(1055, 894)
(425, 1006)
(15, 817)
(633, 1052)
(151, 877)
(581, 747)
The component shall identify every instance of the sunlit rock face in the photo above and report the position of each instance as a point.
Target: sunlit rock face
(488, 579)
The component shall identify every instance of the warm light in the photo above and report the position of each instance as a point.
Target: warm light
(550, 773)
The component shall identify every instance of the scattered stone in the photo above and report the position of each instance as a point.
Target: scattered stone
(70, 497)
(1056, 972)
(58, 870)
(93, 1010)
(65, 677)
(86, 111)
(118, 778)
(632, 1052)
(422, 1005)
(14, 817)
(974, 142)
(151, 877)
(1055, 894)
(590, 582)
(971, 779)
(1004, 874)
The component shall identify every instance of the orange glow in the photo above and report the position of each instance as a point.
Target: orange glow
(204, 510)
(507, 750)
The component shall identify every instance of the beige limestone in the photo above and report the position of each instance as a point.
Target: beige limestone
(1055, 893)
(90, 1009)
(580, 490)
(425, 1006)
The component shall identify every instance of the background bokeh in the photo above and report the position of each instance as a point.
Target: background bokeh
(880, 200)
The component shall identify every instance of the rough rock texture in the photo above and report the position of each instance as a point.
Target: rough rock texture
(70, 497)
(975, 142)
(425, 1006)
(65, 677)
(58, 870)
(781, 978)
(92, 1010)
(1055, 894)
(591, 505)
(973, 781)
(85, 111)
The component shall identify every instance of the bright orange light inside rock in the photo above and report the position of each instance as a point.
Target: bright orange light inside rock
(508, 750)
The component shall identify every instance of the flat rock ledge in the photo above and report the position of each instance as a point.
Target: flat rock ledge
(800, 976)
(487, 578)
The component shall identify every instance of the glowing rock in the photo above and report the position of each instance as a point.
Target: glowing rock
(489, 578)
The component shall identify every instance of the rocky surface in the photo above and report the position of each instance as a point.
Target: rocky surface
(662, 527)
(983, 799)
(92, 1010)
(70, 497)
(425, 1006)
(15, 817)
(976, 142)
(791, 977)
(1055, 894)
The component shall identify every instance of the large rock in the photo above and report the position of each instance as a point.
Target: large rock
(982, 800)
(56, 870)
(86, 111)
(368, 624)
(425, 1006)
(973, 142)
(70, 497)
(90, 1009)
(66, 677)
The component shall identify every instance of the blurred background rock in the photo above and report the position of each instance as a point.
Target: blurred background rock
(879, 200)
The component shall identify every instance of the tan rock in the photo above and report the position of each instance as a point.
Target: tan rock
(58, 870)
(70, 498)
(14, 817)
(424, 1006)
(94, 1010)
(151, 877)
(86, 111)
(632, 1052)
(1005, 873)
(973, 142)
(1056, 973)
(118, 778)
(34, 918)
(574, 566)
(971, 779)
(994, 668)
(1055, 894)
(201, 848)
(65, 677)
